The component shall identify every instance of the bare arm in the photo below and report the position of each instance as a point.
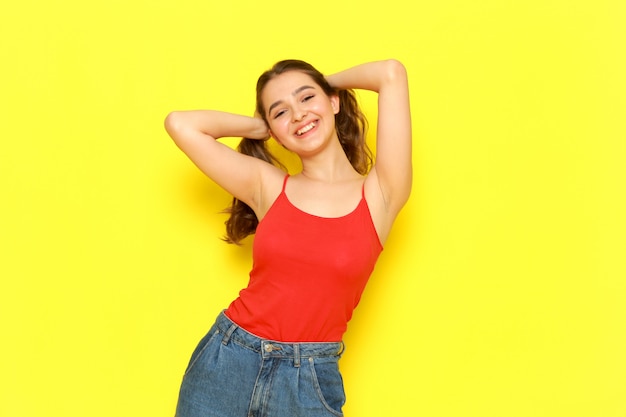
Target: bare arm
(195, 133)
(393, 168)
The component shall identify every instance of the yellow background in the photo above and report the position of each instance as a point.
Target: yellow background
(501, 291)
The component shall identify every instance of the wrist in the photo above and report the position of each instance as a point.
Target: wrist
(259, 129)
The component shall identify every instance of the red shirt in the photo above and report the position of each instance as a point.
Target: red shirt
(308, 273)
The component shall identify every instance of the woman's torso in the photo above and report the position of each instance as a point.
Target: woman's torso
(309, 271)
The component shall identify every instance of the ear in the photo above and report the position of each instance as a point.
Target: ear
(334, 102)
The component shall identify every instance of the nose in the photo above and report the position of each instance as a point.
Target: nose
(299, 114)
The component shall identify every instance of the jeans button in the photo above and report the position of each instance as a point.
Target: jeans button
(268, 347)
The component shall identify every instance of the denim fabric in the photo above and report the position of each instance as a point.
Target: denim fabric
(233, 373)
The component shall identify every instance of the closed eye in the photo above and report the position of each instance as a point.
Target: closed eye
(308, 97)
(279, 113)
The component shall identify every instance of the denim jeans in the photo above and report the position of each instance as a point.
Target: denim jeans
(233, 373)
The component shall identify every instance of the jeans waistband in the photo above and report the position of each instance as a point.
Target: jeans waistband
(231, 331)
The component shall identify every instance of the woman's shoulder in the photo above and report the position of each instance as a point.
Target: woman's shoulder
(271, 185)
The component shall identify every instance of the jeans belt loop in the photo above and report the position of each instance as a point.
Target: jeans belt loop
(228, 334)
(296, 355)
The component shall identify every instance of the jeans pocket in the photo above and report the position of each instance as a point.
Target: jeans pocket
(328, 384)
(202, 345)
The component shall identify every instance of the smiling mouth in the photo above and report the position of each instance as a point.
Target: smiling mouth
(306, 128)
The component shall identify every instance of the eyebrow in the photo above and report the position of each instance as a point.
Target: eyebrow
(295, 92)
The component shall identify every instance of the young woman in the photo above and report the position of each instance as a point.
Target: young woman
(275, 350)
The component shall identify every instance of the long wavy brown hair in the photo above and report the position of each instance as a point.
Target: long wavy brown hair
(350, 123)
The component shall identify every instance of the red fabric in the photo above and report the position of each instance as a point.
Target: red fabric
(308, 273)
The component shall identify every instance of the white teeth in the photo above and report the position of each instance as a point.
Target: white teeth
(305, 129)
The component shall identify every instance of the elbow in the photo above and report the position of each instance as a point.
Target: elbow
(171, 122)
(395, 70)
(173, 125)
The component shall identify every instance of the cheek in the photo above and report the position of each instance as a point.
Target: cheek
(277, 131)
(324, 108)
(278, 126)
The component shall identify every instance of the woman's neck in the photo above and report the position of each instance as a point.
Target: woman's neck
(329, 169)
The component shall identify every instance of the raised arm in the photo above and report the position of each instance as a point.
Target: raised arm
(392, 168)
(195, 133)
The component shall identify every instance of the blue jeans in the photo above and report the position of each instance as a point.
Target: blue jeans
(233, 373)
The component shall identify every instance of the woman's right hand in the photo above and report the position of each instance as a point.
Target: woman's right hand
(264, 131)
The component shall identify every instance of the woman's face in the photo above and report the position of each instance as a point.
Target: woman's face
(299, 114)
